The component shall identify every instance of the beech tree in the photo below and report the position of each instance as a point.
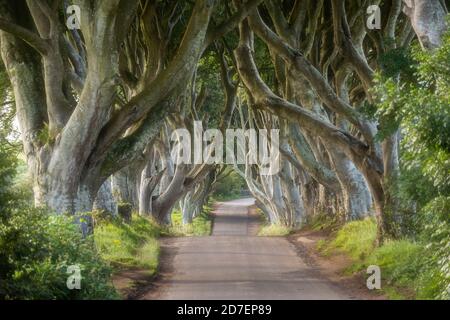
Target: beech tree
(97, 105)
(325, 75)
(90, 100)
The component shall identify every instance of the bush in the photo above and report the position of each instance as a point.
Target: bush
(410, 266)
(8, 164)
(435, 221)
(36, 250)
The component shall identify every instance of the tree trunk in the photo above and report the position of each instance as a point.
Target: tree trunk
(125, 187)
(428, 18)
(105, 199)
(355, 193)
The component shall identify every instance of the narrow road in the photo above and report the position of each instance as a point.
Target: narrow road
(234, 263)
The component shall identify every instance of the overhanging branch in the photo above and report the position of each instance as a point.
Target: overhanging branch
(26, 35)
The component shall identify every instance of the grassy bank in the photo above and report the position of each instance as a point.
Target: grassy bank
(268, 229)
(274, 230)
(200, 226)
(408, 269)
(38, 250)
(129, 245)
(135, 245)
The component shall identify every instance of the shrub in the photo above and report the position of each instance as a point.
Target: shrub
(435, 221)
(36, 248)
(411, 266)
(35, 251)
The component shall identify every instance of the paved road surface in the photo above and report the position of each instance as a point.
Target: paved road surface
(235, 264)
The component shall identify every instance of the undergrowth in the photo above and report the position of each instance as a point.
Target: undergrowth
(274, 230)
(129, 245)
(408, 269)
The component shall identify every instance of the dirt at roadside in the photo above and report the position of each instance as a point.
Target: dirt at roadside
(332, 266)
(132, 284)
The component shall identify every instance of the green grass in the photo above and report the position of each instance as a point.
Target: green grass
(355, 238)
(200, 226)
(406, 268)
(135, 245)
(274, 230)
(400, 263)
(323, 222)
(129, 245)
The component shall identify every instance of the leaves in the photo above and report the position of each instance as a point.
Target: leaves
(35, 250)
(420, 108)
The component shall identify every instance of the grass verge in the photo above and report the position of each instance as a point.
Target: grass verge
(407, 270)
(131, 245)
(135, 245)
(274, 230)
(200, 226)
(355, 238)
(268, 229)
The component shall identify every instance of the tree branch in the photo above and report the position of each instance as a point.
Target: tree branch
(296, 59)
(231, 23)
(26, 35)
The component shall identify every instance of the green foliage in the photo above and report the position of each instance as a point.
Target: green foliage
(229, 187)
(274, 230)
(323, 222)
(22, 183)
(412, 94)
(398, 62)
(37, 248)
(8, 155)
(409, 269)
(8, 162)
(35, 252)
(129, 245)
(435, 221)
(400, 263)
(420, 107)
(209, 79)
(44, 136)
(355, 238)
(200, 226)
